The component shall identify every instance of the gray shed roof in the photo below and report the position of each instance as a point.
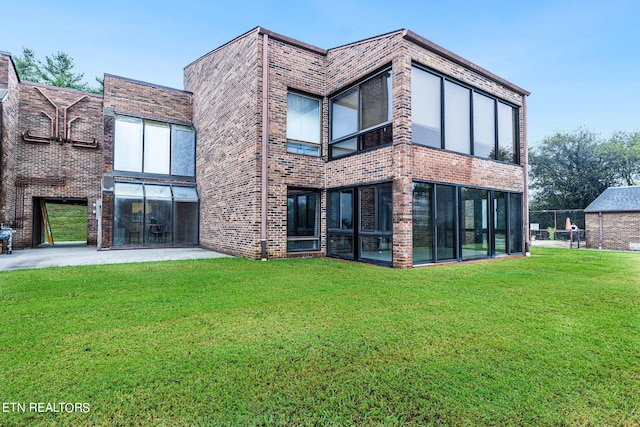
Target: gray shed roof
(617, 199)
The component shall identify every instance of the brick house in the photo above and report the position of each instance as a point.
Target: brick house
(390, 150)
(613, 219)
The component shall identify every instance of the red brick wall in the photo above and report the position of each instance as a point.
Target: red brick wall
(619, 229)
(139, 99)
(8, 138)
(80, 167)
(291, 67)
(227, 115)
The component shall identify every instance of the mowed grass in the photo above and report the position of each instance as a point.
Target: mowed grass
(68, 222)
(553, 339)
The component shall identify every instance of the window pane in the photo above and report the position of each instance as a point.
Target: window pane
(376, 138)
(185, 223)
(127, 144)
(303, 118)
(500, 221)
(515, 223)
(425, 108)
(446, 218)
(344, 114)
(156, 147)
(475, 233)
(507, 150)
(341, 245)
(159, 192)
(368, 209)
(484, 126)
(384, 209)
(422, 223)
(376, 101)
(185, 194)
(128, 215)
(377, 248)
(183, 151)
(457, 115)
(300, 148)
(344, 148)
(346, 210)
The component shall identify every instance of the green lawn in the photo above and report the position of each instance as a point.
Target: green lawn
(68, 222)
(553, 339)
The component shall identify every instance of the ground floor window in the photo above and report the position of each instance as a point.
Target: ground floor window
(461, 223)
(360, 223)
(152, 214)
(303, 220)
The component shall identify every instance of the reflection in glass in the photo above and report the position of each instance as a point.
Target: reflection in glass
(474, 223)
(500, 221)
(484, 126)
(457, 118)
(426, 108)
(422, 223)
(446, 217)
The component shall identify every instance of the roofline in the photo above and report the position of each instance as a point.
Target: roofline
(15, 69)
(140, 82)
(404, 33)
(66, 89)
(292, 41)
(429, 45)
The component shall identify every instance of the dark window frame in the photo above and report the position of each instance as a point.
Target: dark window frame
(144, 174)
(516, 118)
(294, 145)
(296, 194)
(512, 247)
(383, 131)
(356, 233)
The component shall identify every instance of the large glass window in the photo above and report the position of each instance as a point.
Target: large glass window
(150, 214)
(500, 201)
(507, 147)
(492, 133)
(303, 221)
(340, 224)
(457, 118)
(361, 116)
(474, 223)
(446, 220)
(185, 215)
(422, 223)
(152, 147)
(303, 124)
(426, 108)
(127, 144)
(376, 225)
(484, 126)
(515, 223)
(157, 147)
(128, 227)
(183, 151)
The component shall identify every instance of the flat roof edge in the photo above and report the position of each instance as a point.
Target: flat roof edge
(292, 41)
(127, 79)
(427, 44)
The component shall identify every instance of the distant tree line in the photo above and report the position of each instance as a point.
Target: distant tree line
(55, 70)
(569, 170)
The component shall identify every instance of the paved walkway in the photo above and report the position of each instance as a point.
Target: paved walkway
(80, 254)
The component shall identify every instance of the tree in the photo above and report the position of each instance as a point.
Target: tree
(56, 70)
(622, 153)
(568, 171)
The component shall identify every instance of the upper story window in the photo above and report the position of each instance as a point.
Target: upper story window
(303, 124)
(449, 115)
(361, 116)
(152, 147)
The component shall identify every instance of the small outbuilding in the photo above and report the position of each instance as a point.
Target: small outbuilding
(613, 219)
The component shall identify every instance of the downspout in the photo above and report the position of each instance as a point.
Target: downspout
(265, 142)
(600, 230)
(527, 237)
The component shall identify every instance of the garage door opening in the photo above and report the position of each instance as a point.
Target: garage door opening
(60, 221)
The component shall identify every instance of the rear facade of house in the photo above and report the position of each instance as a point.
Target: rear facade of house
(390, 150)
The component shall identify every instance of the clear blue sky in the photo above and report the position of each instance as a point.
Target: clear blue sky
(580, 59)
